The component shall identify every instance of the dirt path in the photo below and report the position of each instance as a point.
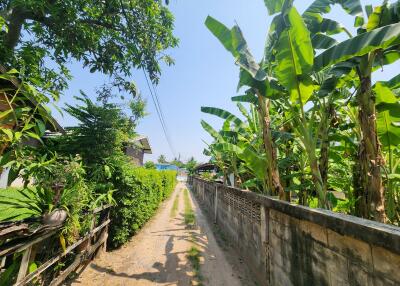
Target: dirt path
(157, 255)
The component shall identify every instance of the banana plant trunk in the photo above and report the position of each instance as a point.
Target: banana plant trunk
(324, 136)
(273, 178)
(369, 190)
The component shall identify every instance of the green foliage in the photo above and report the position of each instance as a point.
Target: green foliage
(101, 133)
(381, 38)
(191, 165)
(139, 193)
(162, 159)
(109, 37)
(306, 130)
(24, 114)
(149, 165)
(58, 183)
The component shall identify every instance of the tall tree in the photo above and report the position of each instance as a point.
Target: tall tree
(110, 37)
(376, 44)
(162, 159)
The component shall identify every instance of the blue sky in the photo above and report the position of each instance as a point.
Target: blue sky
(204, 73)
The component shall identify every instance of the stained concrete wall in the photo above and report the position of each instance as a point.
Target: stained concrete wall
(286, 244)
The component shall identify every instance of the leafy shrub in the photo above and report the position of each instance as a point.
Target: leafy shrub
(139, 192)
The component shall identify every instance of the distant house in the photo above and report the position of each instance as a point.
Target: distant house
(166, 167)
(136, 148)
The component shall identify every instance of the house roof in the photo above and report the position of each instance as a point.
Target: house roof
(54, 126)
(143, 143)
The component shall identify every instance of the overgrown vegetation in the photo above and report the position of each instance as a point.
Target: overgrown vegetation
(194, 258)
(73, 173)
(316, 125)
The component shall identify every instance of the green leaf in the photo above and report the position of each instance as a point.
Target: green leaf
(388, 132)
(274, 6)
(362, 44)
(352, 7)
(236, 44)
(5, 113)
(388, 114)
(227, 148)
(221, 32)
(32, 267)
(295, 58)
(322, 41)
(358, 21)
(41, 126)
(207, 127)
(368, 10)
(8, 132)
(255, 162)
(250, 98)
(394, 83)
(384, 94)
(33, 135)
(324, 25)
(222, 114)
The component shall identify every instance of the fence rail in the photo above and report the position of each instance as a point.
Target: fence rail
(91, 243)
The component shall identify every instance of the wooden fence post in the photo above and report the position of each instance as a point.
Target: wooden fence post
(23, 268)
(104, 236)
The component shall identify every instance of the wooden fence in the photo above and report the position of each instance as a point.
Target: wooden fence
(27, 242)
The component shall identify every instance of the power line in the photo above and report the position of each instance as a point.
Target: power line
(154, 96)
(159, 112)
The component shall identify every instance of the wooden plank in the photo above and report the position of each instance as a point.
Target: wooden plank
(99, 209)
(23, 268)
(78, 260)
(50, 262)
(74, 265)
(6, 250)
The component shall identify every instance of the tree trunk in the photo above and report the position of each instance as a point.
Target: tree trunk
(324, 136)
(369, 189)
(273, 177)
(11, 38)
(317, 179)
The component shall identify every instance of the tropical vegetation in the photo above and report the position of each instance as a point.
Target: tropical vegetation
(85, 167)
(318, 130)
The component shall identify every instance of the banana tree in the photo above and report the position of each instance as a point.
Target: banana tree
(388, 119)
(377, 43)
(239, 143)
(253, 76)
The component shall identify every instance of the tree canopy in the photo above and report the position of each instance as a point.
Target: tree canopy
(110, 37)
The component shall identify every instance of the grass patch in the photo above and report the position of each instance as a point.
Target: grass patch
(174, 208)
(189, 216)
(194, 258)
(193, 253)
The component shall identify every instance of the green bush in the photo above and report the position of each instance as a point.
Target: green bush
(139, 193)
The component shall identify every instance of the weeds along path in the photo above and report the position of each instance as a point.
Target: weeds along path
(176, 247)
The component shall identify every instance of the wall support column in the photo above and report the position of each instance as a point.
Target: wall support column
(216, 204)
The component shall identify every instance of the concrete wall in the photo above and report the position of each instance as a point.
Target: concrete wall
(285, 244)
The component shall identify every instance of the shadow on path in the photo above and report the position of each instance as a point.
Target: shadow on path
(170, 272)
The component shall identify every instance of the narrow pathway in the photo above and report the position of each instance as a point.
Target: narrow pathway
(158, 254)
